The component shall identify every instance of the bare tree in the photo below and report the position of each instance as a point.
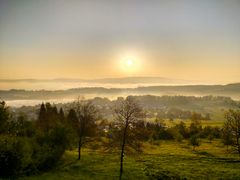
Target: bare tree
(233, 125)
(128, 114)
(86, 114)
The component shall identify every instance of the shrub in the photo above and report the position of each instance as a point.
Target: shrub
(15, 155)
(194, 141)
(49, 147)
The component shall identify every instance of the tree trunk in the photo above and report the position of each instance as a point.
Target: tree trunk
(79, 148)
(122, 151)
(121, 163)
(238, 150)
(238, 145)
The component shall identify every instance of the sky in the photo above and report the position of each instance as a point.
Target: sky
(184, 39)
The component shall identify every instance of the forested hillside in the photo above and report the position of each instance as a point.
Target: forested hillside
(231, 90)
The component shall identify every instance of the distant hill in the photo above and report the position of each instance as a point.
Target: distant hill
(230, 90)
(143, 80)
(125, 80)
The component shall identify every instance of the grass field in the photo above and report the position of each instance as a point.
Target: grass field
(204, 123)
(164, 159)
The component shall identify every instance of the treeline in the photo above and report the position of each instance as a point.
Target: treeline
(175, 113)
(166, 102)
(28, 147)
(165, 107)
(159, 131)
(174, 107)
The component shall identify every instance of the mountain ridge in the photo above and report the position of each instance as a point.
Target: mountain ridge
(133, 79)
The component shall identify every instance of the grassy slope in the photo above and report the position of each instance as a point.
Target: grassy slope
(209, 161)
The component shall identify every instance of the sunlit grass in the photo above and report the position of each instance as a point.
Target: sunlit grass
(210, 160)
(204, 123)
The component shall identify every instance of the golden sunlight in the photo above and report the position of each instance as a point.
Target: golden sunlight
(129, 64)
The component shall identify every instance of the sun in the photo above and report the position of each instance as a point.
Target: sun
(129, 63)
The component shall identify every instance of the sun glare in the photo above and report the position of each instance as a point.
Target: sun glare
(129, 65)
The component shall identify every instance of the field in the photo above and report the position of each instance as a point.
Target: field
(161, 160)
(204, 123)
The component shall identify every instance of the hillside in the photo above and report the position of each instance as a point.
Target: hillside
(125, 80)
(230, 90)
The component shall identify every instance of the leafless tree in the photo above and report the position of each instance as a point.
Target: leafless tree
(128, 114)
(87, 114)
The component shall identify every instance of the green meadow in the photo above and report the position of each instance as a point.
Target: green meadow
(204, 123)
(159, 160)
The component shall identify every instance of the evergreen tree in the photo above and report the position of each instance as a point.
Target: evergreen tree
(42, 116)
(48, 116)
(72, 118)
(61, 115)
(4, 117)
(42, 113)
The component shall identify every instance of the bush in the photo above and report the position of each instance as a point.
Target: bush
(23, 155)
(166, 134)
(15, 156)
(178, 137)
(49, 148)
(24, 150)
(194, 141)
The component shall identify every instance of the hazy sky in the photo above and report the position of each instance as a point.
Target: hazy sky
(197, 40)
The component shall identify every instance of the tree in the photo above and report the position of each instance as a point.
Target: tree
(86, 114)
(182, 129)
(194, 141)
(127, 115)
(61, 115)
(42, 116)
(232, 124)
(51, 137)
(195, 128)
(227, 135)
(42, 112)
(207, 117)
(48, 117)
(196, 116)
(21, 126)
(72, 118)
(72, 128)
(4, 117)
